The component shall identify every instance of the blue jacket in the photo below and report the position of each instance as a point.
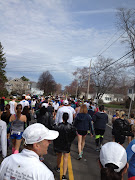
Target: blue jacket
(131, 158)
(83, 122)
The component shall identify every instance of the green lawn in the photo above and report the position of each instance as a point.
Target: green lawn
(114, 106)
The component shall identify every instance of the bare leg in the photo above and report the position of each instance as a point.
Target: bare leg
(59, 159)
(83, 142)
(79, 143)
(13, 143)
(65, 163)
(17, 144)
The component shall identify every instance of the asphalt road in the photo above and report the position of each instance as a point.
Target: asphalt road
(85, 169)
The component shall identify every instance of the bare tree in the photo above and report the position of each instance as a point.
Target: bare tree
(126, 23)
(71, 89)
(58, 89)
(47, 83)
(104, 76)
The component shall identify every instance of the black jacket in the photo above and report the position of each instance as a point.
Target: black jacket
(100, 120)
(46, 120)
(121, 127)
(67, 134)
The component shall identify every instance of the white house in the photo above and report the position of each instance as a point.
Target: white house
(106, 98)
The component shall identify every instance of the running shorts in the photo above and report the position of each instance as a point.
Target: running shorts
(82, 133)
(16, 135)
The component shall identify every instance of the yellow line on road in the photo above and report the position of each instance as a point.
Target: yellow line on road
(61, 167)
(70, 170)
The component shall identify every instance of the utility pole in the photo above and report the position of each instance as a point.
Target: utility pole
(89, 80)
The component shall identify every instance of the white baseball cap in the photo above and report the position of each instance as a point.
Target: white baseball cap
(38, 132)
(65, 102)
(114, 153)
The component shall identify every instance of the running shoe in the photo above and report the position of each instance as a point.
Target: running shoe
(64, 177)
(97, 149)
(79, 156)
(82, 153)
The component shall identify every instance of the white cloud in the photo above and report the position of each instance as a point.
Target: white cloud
(41, 35)
(100, 11)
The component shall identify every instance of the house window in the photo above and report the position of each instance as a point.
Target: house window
(108, 99)
(130, 91)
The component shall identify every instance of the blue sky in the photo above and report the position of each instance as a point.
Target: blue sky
(58, 35)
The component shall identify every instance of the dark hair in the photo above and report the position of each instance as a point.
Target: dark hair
(101, 108)
(108, 172)
(7, 108)
(90, 107)
(65, 117)
(132, 115)
(19, 109)
(25, 110)
(23, 97)
(43, 110)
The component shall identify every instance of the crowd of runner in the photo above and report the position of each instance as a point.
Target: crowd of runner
(61, 120)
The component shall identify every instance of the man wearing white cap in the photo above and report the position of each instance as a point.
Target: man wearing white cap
(61, 110)
(26, 165)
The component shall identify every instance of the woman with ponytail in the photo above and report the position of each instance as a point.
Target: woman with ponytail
(17, 127)
(113, 161)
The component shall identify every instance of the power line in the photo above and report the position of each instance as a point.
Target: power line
(112, 63)
(111, 44)
(107, 42)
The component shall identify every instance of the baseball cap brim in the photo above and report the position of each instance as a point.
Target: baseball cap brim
(52, 135)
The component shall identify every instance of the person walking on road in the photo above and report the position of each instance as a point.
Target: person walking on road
(82, 124)
(3, 137)
(113, 161)
(100, 120)
(60, 112)
(17, 127)
(13, 105)
(62, 144)
(26, 165)
(5, 116)
(121, 128)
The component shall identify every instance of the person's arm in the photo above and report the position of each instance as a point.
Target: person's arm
(91, 125)
(94, 118)
(57, 117)
(130, 150)
(11, 118)
(4, 140)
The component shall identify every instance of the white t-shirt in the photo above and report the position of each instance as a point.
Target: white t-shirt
(12, 106)
(72, 109)
(33, 103)
(45, 105)
(24, 103)
(60, 112)
(3, 138)
(25, 165)
(56, 106)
